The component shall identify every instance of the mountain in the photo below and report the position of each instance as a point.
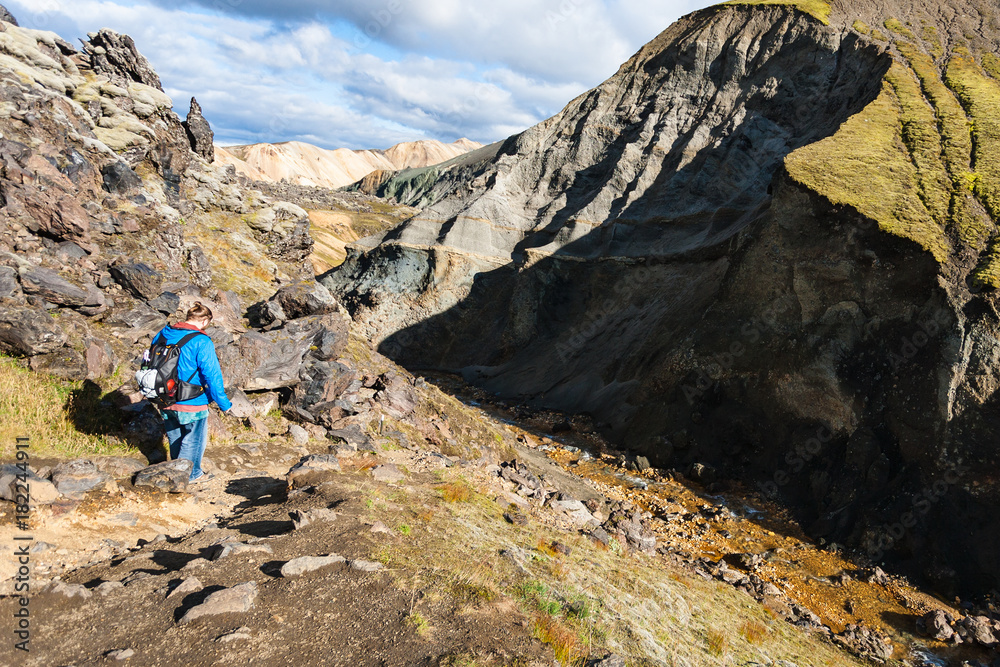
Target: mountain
(448, 526)
(305, 164)
(767, 247)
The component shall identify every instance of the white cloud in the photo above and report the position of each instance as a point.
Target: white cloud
(369, 74)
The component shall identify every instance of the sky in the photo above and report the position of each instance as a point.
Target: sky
(370, 74)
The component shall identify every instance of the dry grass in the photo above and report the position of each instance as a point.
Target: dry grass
(57, 416)
(455, 492)
(562, 638)
(754, 632)
(586, 603)
(718, 643)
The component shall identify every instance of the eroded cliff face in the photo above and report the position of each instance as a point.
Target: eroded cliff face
(709, 256)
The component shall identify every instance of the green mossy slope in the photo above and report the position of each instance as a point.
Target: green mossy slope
(816, 8)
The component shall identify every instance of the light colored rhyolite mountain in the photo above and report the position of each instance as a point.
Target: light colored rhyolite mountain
(305, 164)
(768, 243)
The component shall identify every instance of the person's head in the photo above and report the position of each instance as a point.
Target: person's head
(199, 315)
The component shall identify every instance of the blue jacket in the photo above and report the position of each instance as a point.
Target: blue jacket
(198, 354)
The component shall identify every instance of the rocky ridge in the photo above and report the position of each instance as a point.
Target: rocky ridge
(764, 245)
(303, 164)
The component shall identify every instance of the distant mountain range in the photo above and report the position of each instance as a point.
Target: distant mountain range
(304, 164)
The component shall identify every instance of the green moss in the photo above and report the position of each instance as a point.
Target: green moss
(862, 27)
(867, 166)
(980, 96)
(987, 274)
(879, 36)
(818, 9)
(894, 25)
(922, 139)
(992, 65)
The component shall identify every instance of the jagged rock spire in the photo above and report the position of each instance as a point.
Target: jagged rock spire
(200, 132)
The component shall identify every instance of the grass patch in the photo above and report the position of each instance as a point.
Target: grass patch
(818, 9)
(879, 36)
(717, 642)
(922, 139)
(861, 26)
(455, 492)
(420, 624)
(754, 632)
(992, 65)
(562, 638)
(61, 418)
(895, 26)
(980, 96)
(866, 165)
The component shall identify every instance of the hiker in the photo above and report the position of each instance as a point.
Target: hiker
(198, 365)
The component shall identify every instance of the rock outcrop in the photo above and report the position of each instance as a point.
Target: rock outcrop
(754, 247)
(200, 132)
(7, 16)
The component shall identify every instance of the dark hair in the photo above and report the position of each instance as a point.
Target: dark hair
(199, 311)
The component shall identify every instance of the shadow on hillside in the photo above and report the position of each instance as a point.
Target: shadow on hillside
(108, 415)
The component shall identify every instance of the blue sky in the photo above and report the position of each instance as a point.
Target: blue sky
(354, 74)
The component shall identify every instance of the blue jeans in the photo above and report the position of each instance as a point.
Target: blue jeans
(187, 441)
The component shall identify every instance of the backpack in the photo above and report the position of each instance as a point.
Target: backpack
(157, 375)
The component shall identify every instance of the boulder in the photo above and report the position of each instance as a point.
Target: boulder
(64, 363)
(119, 178)
(200, 268)
(396, 394)
(118, 467)
(220, 551)
(575, 510)
(980, 629)
(366, 566)
(75, 478)
(169, 476)
(29, 331)
(302, 564)
(865, 642)
(354, 437)
(311, 469)
(388, 473)
(200, 132)
(43, 492)
(10, 288)
(303, 298)
(936, 624)
(167, 303)
(303, 518)
(141, 321)
(52, 287)
(237, 599)
(100, 358)
(299, 435)
(142, 280)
